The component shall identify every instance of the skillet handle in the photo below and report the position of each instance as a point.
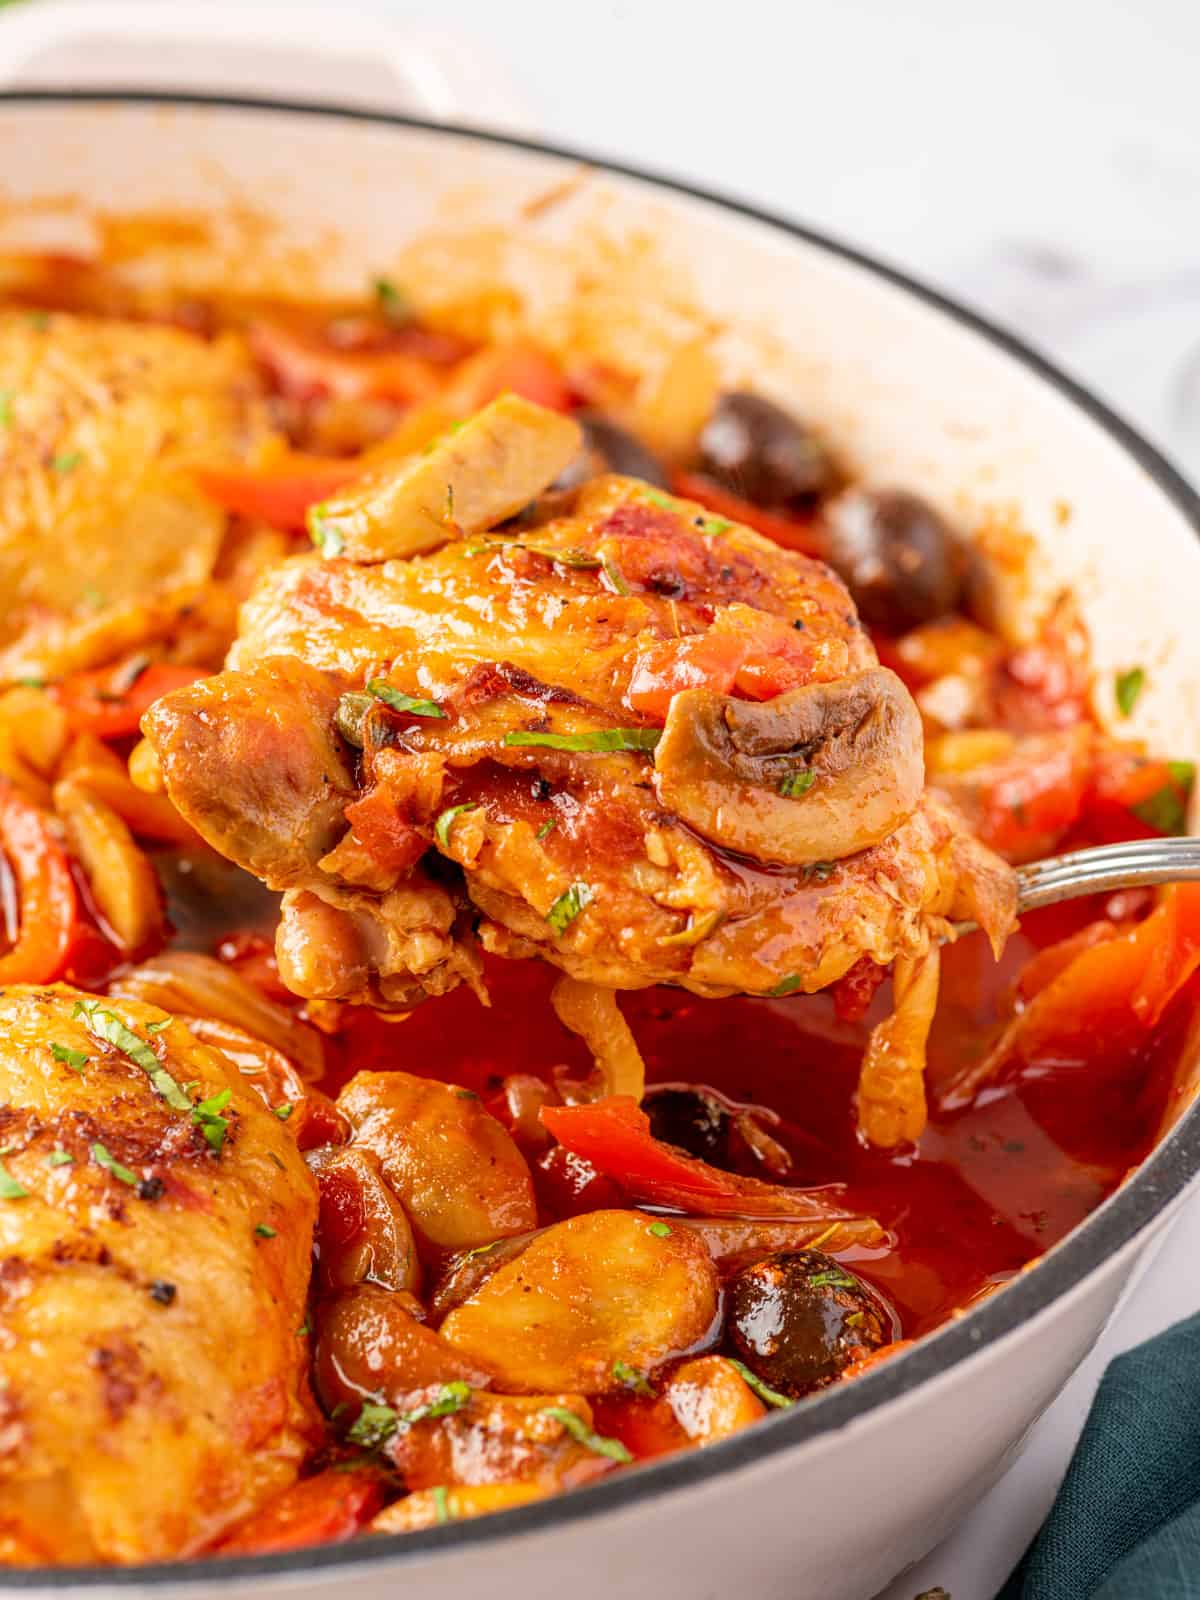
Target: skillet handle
(328, 54)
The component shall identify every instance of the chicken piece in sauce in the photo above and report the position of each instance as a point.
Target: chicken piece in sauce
(155, 1233)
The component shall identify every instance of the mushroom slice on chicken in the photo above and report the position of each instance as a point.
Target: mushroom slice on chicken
(141, 1172)
(821, 773)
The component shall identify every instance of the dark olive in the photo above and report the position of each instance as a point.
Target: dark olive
(753, 446)
(797, 1318)
(608, 448)
(901, 562)
(696, 1120)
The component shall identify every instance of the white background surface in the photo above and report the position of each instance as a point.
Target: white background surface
(1038, 158)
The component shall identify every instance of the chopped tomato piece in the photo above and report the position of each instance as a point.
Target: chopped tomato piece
(1022, 804)
(111, 701)
(305, 364)
(376, 823)
(1046, 684)
(697, 661)
(792, 532)
(614, 1136)
(49, 915)
(1132, 797)
(325, 1509)
(854, 990)
(282, 492)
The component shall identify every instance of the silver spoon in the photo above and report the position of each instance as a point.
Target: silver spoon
(1105, 868)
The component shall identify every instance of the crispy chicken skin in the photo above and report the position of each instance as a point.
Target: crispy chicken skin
(152, 1384)
(98, 511)
(698, 863)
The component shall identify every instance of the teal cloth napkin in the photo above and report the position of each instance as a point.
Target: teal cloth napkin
(1126, 1523)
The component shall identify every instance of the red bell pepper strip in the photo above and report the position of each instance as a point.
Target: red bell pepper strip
(614, 1135)
(326, 1509)
(110, 703)
(792, 532)
(516, 368)
(282, 492)
(49, 904)
(1103, 1002)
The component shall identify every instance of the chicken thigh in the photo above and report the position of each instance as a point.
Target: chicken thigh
(155, 1231)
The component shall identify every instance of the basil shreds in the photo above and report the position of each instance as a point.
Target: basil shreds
(75, 1059)
(328, 540)
(547, 828)
(441, 1504)
(1128, 688)
(207, 1116)
(568, 906)
(644, 739)
(660, 1230)
(797, 783)
(263, 1231)
(10, 1189)
(399, 701)
(110, 1164)
(579, 1430)
(60, 1158)
(376, 1424)
(787, 985)
(631, 1378)
(108, 1026)
(765, 1393)
(392, 302)
(441, 828)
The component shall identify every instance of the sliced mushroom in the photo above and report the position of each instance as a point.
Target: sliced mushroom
(814, 775)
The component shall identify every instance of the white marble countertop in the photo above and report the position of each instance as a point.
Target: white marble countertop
(1040, 161)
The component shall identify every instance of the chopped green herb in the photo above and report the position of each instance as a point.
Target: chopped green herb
(10, 1189)
(563, 557)
(579, 1431)
(568, 906)
(660, 1230)
(263, 1231)
(547, 827)
(284, 1111)
(67, 461)
(1166, 809)
(797, 783)
(465, 1094)
(207, 1117)
(451, 1397)
(392, 302)
(108, 1026)
(1129, 686)
(328, 539)
(714, 527)
(441, 1504)
(657, 499)
(75, 1059)
(615, 576)
(374, 1426)
(60, 1158)
(631, 1378)
(158, 1027)
(787, 985)
(7, 396)
(39, 319)
(110, 1164)
(349, 717)
(698, 928)
(305, 1328)
(765, 1393)
(382, 690)
(441, 828)
(644, 739)
(831, 1278)
(32, 683)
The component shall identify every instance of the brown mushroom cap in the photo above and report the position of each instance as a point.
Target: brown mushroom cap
(814, 775)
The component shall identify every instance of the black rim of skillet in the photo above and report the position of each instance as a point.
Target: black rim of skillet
(1162, 1177)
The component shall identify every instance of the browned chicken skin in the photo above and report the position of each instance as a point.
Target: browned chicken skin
(765, 842)
(152, 1288)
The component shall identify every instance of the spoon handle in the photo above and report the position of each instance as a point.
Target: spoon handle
(1108, 867)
